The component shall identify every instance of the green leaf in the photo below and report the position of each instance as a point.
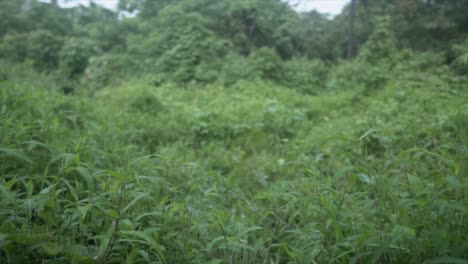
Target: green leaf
(149, 240)
(251, 229)
(48, 189)
(28, 239)
(19, 154)
(52, 249)
(113, 213)
(216, 261)
(368, 132)
(3, 240)
(135, 200)
(105, 240)
(81, 254)
(10, 183)
(119, 176)
(446, 260)
(365, 178)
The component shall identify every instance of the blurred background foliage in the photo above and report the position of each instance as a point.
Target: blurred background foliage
(203, 41)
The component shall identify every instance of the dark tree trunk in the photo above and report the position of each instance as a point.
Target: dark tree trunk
(352, 15)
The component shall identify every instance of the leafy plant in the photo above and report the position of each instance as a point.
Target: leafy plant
(75, 55)
(43, 49)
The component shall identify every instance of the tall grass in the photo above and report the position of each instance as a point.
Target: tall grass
(254, 174)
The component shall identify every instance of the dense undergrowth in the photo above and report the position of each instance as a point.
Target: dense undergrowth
(216, 131)
(375, 172)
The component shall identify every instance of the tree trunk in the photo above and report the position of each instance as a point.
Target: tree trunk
(352, 14)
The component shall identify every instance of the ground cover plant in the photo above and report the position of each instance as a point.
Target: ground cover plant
(123, 142)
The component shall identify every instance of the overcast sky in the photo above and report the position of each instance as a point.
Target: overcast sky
(332, 7)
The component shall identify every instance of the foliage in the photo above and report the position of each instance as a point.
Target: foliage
(357, 74)
(189, 52)
(237, 68)
(138, 173)
(460, 64)
(75, 55)
(43, 49)
(8, 10)
(106, 69)
(215, 131)
(267, 63)
(305, 76)
(36, 16)
(194, 57)
(381, 45)
(14, 47)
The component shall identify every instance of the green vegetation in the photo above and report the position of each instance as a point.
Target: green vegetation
(205, 131)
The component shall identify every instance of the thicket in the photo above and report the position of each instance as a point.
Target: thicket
(208, 131)
(205, 42)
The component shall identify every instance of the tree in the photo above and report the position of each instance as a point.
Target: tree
(43, 49)
(352, 14)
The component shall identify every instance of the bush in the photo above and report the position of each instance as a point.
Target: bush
(14, 47)
(300, 74)
(349, 75)
(304, 75)
(236, 68)
(108, 68)
(43, 49)
(280, 121)
(460, 64)
(75, 54)
(146, 102)
(381, 46)
(267, 63)
(195, 57)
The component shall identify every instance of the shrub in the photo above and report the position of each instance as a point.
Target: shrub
(195, 57)
(14, 47)
(267, 63)
(381, 46)
(146, 102)
(43, 49)
(236, 68)
(75, 54)
(108, 68)
(280, 121)
(349, 75)
(460, 64)
(304, 75)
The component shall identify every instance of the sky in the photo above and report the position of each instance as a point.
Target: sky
(332, 7)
